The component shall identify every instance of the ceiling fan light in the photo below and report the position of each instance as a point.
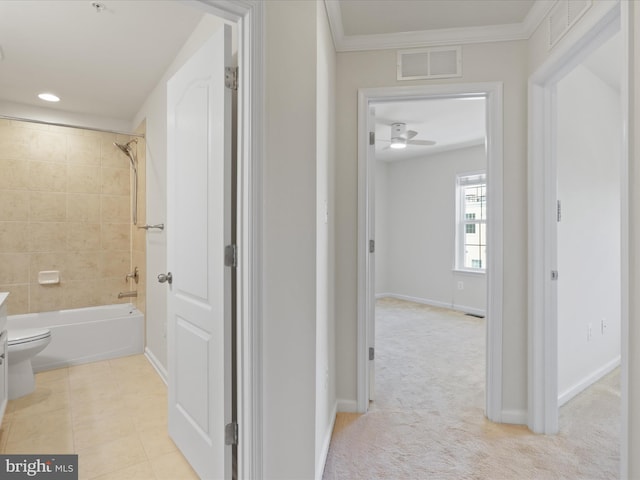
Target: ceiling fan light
(398, 142)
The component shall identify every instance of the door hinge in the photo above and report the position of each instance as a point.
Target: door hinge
(372, 246)
(231, 433)
(231, 77)
(559, 211)
(372, 138)
(372, 353)
(230, 256)
(554, 275)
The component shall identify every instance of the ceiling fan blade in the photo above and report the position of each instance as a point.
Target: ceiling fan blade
(421, 142)
(411, 134)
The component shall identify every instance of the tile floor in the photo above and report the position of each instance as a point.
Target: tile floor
(113, 414)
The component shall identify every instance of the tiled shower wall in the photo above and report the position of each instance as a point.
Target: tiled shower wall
(64, 205)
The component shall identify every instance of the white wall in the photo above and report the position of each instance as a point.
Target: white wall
(297, 243)
(154, 111)
(418, 250)
(325, 145)
(589, 133)
(506, 62)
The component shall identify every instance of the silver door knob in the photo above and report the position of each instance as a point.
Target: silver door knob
(165, 277)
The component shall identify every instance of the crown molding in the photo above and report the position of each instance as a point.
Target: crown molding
(429, 38)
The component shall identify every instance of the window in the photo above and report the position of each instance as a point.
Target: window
(471, 222)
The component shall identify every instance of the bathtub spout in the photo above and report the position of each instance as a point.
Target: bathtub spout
(127, 294)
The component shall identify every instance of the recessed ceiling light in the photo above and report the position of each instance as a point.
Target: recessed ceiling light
(49, 97)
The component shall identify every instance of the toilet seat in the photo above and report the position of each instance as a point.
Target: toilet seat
(25, 335)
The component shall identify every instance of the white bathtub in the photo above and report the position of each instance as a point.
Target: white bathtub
(85, 335)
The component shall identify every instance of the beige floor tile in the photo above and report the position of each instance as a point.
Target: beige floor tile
(97, 431)
(141, 471)
(50, 432)
(112, 456)
(96, 370)
(81, 409)
(4, 434)
(58, 376)
(156, 442)
(46, 398)
(24, 427)
(173, 467)
(112, 413)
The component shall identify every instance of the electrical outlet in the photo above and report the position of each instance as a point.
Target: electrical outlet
(460, 285)
(590, 331)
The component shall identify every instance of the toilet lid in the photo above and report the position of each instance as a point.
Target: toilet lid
(23, 335)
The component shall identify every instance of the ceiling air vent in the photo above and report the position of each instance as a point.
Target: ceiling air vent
(436, 62)
(563, 16)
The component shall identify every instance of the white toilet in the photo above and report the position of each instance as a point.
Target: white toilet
(23, 345)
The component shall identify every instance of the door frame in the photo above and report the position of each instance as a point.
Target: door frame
(248, 17)
(366, 207)
(542, 314)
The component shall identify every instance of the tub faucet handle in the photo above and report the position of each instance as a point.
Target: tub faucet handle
(133, 275)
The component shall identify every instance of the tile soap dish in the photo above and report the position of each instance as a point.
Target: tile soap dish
(49, 277)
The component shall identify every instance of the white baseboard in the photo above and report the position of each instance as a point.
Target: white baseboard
(434, 303)
(326, 443)
(589, 380)
(347, 406)
(514, 417)
(157, 365)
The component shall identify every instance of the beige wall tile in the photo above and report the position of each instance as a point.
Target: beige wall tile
(65, 205)
(47, 207)
(114, 263)
(111, 287)
(14, 205)
(45, 298)
(83, 179)
(48, 177)
(83, 150)
(83, 293)
(83, 236)
(47, 261)
(14, 237)
(115, 181)
(83, 208)
(139, 236)
(83, 265)
(111, 156)
(48, 147)
(115, 236)
(47, 237)
(115, 209)
(14, 268)
(14, 142)
(14, 174)
(18, 301)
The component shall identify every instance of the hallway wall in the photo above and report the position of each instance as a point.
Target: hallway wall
(505, 62)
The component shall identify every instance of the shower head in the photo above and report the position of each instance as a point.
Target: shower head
(128, 151)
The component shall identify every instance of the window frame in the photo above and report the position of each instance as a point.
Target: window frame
(463, 180)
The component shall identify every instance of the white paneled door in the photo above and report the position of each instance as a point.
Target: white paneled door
(198, 229)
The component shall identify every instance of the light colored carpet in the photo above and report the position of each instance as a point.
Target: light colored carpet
(427, 421)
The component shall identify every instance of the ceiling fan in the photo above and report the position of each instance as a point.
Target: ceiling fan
(401, 137)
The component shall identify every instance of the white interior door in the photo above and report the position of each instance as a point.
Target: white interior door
(198, 229)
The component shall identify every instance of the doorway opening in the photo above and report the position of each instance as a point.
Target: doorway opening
(491, 94)
(568, 97)
(430, 252)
